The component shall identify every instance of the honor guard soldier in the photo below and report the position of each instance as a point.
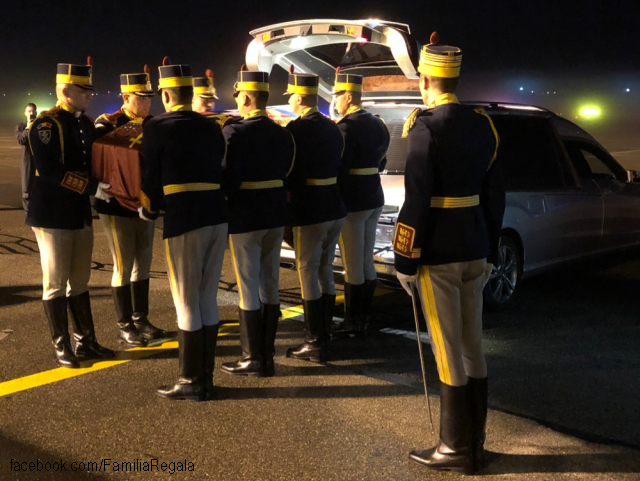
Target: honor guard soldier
(204, 93)
(448, 226)
(318, 212)
(130, 238)
(260, 155)
(365, 156)
(60, 213)
(183, 154)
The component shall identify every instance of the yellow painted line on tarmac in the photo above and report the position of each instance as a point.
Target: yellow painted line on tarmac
(54, 375)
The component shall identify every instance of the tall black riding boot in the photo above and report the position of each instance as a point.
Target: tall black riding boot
(367, 300)
(140, 297)
(328, 306)
(86, 344)
(210, 343)
(252, 342)
(478, 392)
(56, 311)
(353, 316)
(191, 383)
(315, 347)
(270, 316)
(453, 451)
(124, 310)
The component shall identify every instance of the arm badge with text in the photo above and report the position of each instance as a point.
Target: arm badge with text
(403, 241)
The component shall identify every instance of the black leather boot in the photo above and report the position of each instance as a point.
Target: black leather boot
(453, 451)
(252, 342)
(86, 345)
(270, 316)
(328, 306)
(191, 383)
(124, 310)
(367, 299)
(354, 323)
(140, 298)
(315, 347)
(210, 343)
(56, 311)
(478, 392)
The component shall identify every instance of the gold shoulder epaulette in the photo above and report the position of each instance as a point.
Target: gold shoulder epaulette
(53, 112)
(410, 122)
(111, 118)
(480, 110)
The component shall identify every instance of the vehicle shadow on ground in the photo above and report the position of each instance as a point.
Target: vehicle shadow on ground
(16, 451)
(622, 463)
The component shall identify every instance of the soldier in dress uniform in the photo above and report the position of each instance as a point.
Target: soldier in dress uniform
(365, 156)
(318, 211)
(260, 155)
(183, 154)
(204, 93)
(130, 238)
(60, 213)
(448, 226)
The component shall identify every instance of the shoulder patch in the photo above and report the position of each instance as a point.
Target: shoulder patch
(44, 135)
(45, 125)
(410, 122)
(403, 241)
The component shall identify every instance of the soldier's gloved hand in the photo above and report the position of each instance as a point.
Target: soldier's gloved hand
(144, 214)
(101, 194)
(406, 281)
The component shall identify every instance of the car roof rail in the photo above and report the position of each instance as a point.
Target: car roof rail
(507, 106)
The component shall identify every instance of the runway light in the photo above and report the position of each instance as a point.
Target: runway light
(521, 88)
(532, 91)
(590, 112)
(628, 90)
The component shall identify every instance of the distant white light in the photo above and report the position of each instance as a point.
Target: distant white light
(628, 90)
(29, 93)
(547, 93)
(521, 88)
(532, 91)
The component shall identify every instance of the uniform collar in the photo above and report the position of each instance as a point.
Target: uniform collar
(68, 108)
(442, 99)
(179, 107)
(353, 109)
(255, 113)
(309, 111)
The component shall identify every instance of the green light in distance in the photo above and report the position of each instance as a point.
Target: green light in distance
(590, 112)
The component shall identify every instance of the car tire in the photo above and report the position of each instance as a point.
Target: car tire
(502, 285)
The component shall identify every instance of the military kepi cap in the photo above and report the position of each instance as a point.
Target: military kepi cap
(203, 86)
(346, 82)
(251, 82)
(302, 84)
(440, 60)
(78, 75)
(171, 76)
(137, 83)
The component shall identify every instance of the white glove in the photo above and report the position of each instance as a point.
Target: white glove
(406, 281)
(101, 194)
(142, 216)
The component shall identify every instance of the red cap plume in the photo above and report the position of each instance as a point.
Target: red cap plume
(291, 69)
(89, 60)
(147, 70)
(209, 73)
(166, 61)
(337, 70)
(435, 38)
(244, 68)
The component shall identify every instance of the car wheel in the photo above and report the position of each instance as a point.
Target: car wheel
(502, 284)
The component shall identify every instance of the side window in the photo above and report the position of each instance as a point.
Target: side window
(590, 162)
(528, 154)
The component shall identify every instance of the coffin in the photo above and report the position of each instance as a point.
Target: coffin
(117, 160)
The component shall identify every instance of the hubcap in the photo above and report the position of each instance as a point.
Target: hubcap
(504, 275)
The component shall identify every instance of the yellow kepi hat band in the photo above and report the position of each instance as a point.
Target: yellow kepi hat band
(440, 60)
(72, 79)
(171, 82)
(341, 87)
(444, 72)
(203, 90)
(133, 88)
(252, 86)
(302, 90)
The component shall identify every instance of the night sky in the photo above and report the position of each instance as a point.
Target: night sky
(588, 45)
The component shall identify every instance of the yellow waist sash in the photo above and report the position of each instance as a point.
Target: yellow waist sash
(194, 187)
(263, 184)
(367, 171)
(455, 202)
(329, 181)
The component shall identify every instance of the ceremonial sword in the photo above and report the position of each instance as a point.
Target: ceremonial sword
(424, 371)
